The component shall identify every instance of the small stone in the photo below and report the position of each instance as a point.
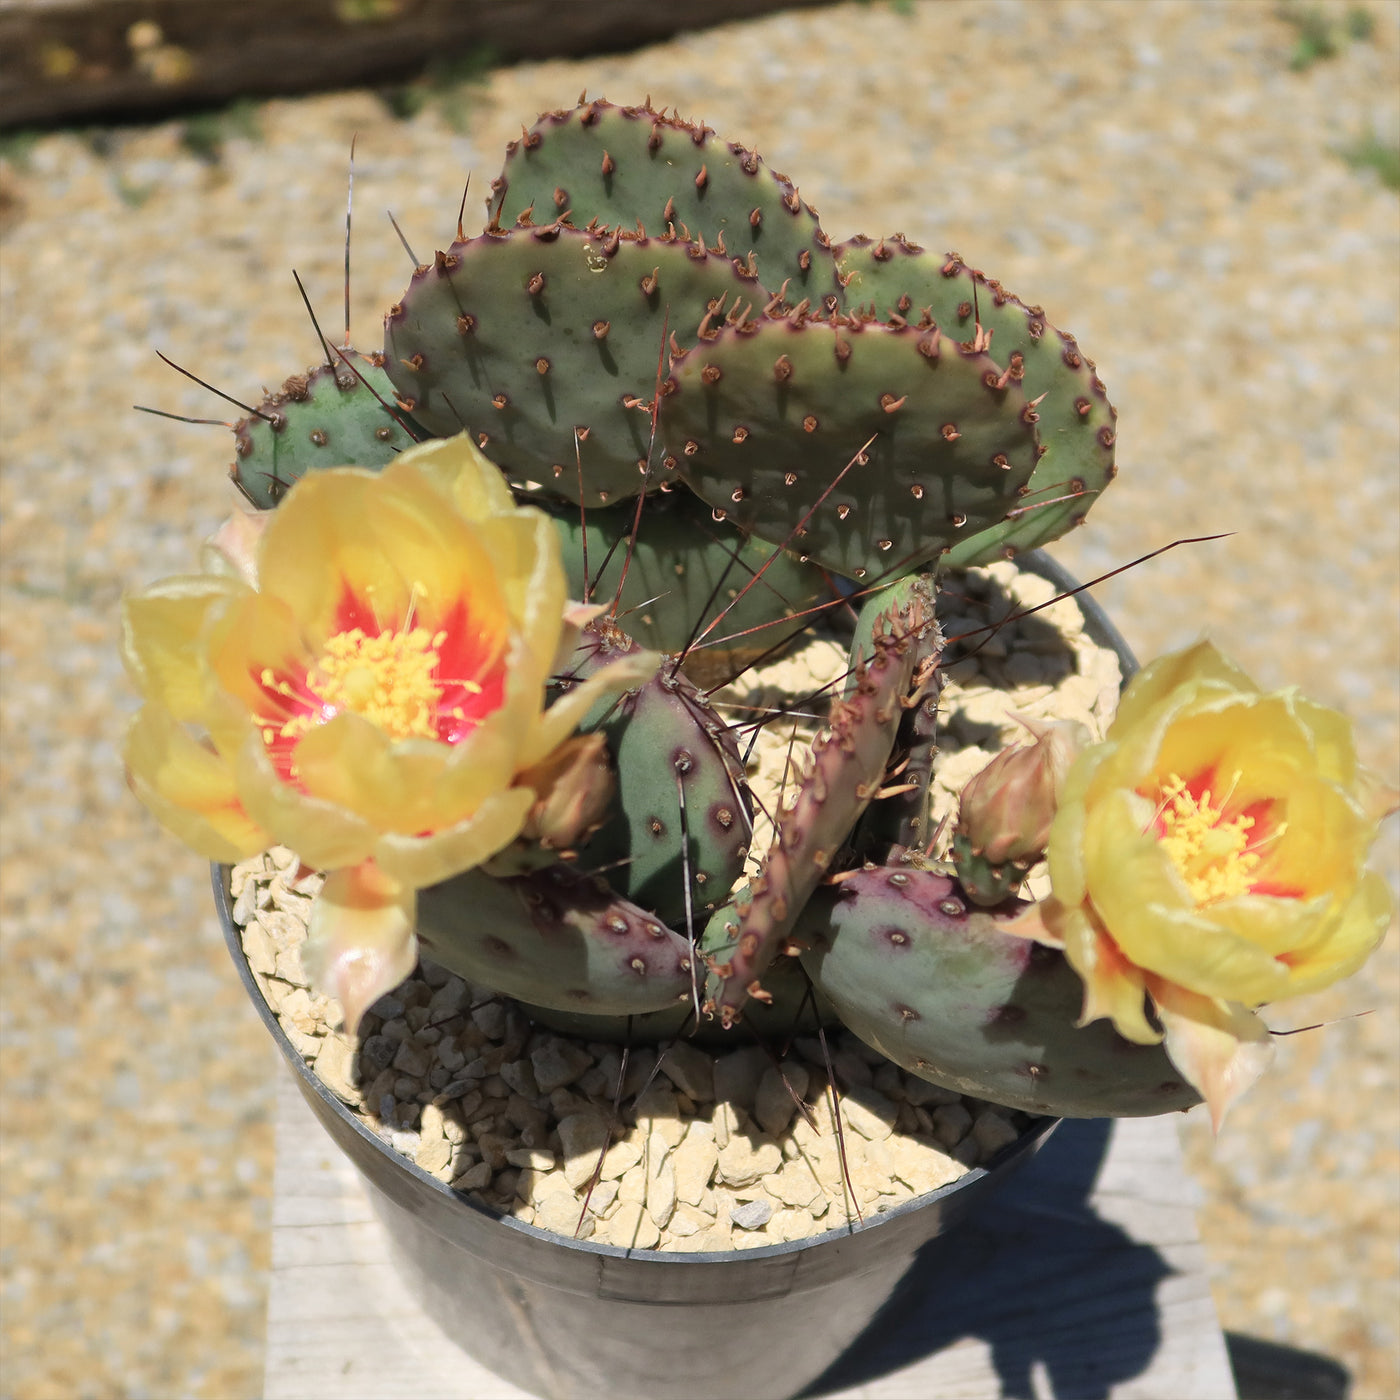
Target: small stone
(490, 1019)
(795, 1185)
(747, 1157)
(557, 1063)
(890, 1082)
(694, 1162)
(630, 1228)
(259, 950)
(752, 1215)
(691, 1070)
(791, 1225)
(661, 1192)
(335, 1068)
(992, 1131)
(476, 1178)
(405, 1142)
(621, 1157)
(449, 998)
(493, 1150)
(581, 1138)
(852, 1072)
(520, 1075)
(658, 1110)
(387, 1008)
(870, 1113)
(921, 1093)
(775, 1103)
(410, 1060)
(561, 1213)
(686, 1222)
(531, 1157)
(950, 1123)
(737, 1075)
(434, 1155)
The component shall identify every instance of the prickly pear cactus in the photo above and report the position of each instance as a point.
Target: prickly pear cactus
(742, 431)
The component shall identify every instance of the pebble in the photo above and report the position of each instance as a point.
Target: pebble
(558, 1062)
(752, 1215)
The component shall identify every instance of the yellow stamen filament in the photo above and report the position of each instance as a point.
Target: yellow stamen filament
(1212, 853)
(387, 679)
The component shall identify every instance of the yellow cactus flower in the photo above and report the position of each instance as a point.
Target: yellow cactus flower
(1209, 857)
(362, 678)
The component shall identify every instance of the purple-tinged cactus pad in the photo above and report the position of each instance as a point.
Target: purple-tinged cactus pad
(557, 939)
(669, 748)
(938, 987)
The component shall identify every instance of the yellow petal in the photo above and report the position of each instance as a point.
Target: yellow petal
(161, 626)
(353, 763)
(1341, 944)
(419, 861)
(360, 941)
(568, 711)
(1113, 987)
(461, 471)
(1220, 1047)
(1065, 850)
(1161, 677)
(325, 835)
(189, 788)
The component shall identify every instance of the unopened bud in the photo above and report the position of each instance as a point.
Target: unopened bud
(573, 787)
(1006, 810)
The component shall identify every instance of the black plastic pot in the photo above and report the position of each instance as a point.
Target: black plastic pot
(572, 1320)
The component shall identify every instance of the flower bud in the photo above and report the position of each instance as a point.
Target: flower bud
(1006, 810)
(573, 787)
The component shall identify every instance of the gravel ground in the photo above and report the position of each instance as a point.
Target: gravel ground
(1155, 174)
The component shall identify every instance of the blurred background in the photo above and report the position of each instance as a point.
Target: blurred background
(1204, 192)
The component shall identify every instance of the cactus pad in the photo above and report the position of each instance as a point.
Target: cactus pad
(668, 746)
(768, 413)
(1076, 423)
(546, 343)
(948, 995)
(635, 167)
(685, 570)
(555, 938)
(327, 417)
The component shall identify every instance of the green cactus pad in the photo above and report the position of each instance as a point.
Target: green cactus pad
(666, 743)
(327, 417)
(527, 336)
(555, 938)
(635, 167)
(943, 991)
(768, 413)
(1076, 424)
(685, 570)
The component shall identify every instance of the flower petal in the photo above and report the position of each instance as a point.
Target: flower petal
(569, 710)
(1220, 1047)
(325, 835)
(419, 861)
(1113, 987)
(360, 940)
(160, 629)
(189, 788)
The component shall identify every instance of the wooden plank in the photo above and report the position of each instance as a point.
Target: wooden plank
(1085, 1277)
(69, 60)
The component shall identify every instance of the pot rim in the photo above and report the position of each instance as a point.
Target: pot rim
(1099, 627)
